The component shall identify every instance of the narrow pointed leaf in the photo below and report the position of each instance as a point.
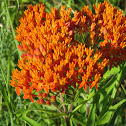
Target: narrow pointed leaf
(25, 111)
(55, 116)
(63, 122)
(107, 116)
(91, 117)
(84, 102)
(30, 121)
(78, 121)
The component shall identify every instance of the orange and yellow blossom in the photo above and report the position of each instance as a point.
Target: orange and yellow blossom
(107, 30)
(53, 59)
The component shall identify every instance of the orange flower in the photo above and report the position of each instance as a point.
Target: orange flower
(53, 55)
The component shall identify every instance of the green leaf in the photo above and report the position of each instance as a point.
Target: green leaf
(104, 91)
(50, 107)
(55, 116)
(91, 117)
(75, 124)
(109, 73)
(30, 121)
(13, 31)
(5, 96)
(71, 122)
(63, 122)
(113, 83)
(25, 111)
(92, 94)
(107, 116)
(108, 88)
(78, 121)
(124, 90)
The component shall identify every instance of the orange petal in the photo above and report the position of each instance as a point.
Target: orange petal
(96, 86)
(47, 89)
(25, 97)
(31, 98)
(93, 84)
(81, 85)
(18, 91)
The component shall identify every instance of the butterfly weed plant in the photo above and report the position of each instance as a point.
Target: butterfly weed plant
(71, 64)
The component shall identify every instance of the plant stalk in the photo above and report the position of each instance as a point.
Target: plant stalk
(66, 118)
(87, 105)
(64, 108)
(71, 106)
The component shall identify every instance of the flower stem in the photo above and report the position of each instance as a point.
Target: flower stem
(66, 118)
(62, 102)
(67, 121)
(87, 105)
(70, 108)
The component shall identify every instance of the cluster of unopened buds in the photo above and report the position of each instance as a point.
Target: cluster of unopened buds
(44, 98)
(60, 51)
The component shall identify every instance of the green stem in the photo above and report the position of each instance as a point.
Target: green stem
(62, 102)
(66, 118)
(87, 105)
(71, 106)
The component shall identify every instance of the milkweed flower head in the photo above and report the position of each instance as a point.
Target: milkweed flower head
(54, 58)
(106, 28)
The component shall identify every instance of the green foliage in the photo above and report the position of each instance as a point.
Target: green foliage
(107, 105)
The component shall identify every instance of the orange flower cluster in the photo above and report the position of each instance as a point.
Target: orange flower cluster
(107, 28)
(54, 57)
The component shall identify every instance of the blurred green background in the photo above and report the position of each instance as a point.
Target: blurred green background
(10, 13)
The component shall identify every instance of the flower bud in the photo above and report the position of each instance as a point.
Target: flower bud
(38, 57)
(38, 101)
(20, 47)
(48, 103)
(33, 67)
(105, 31)
(40, 95)
(34, 57)
(53, 98)
(42, 101)
(44, 95)
(71, 34)
(43, 52)
(27, 42)
(42, 49)
(67, 24)
(29, 56)
(37, 51)
(25, 48)
(57, 24)
(23, 55)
